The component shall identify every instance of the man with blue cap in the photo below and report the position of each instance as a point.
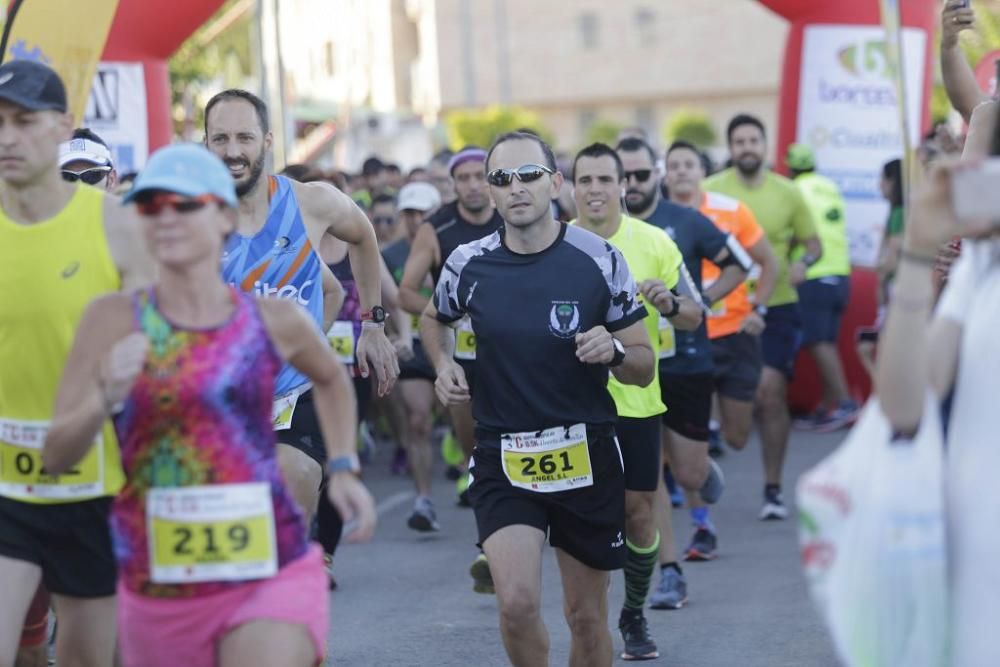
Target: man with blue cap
(61, 245)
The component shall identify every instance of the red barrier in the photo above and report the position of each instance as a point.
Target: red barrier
(148, 32)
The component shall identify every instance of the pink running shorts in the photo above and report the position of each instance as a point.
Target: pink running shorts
(158, 632)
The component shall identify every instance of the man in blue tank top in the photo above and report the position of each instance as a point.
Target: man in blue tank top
(274, 253)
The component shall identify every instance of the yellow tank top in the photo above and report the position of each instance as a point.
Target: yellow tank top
(49, 272)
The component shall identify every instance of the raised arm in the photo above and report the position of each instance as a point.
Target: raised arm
(342, 218)
(959, 80)
(101, 368)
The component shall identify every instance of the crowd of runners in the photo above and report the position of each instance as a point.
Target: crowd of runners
(195, 362)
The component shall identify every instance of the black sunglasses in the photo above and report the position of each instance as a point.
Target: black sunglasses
(383, 220)
(526, 173)
(640, 175)
(91, 176)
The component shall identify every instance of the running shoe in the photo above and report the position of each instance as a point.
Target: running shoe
(635, 633)
(703, 546)
(774, 507)
(671, 592)
(462, 489)
(842, 417)
(482, 580)
(810, 421)
(715, 448)
(424, 518)
(676, 493)
(328, 566)
(714, 485)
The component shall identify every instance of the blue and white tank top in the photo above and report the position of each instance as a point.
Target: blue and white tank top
(278, 261)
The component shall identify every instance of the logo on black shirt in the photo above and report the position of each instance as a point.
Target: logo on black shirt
(564, 319)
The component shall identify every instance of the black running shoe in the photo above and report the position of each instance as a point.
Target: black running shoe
(635, 633)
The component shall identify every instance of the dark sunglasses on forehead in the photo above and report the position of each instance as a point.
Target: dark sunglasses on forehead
(91, 176)
(526, 173)
(640, 175)
(156, 203)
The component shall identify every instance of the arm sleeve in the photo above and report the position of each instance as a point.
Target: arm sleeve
(450, 306)
(623, 307)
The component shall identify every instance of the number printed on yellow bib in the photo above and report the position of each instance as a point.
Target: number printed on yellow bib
(557, 459)
(23, 476)
(221, 532)
(465, 341)
(341, 337)
(668, 343)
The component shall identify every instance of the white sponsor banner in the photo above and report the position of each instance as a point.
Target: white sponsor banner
(848, 114)
(116, 111)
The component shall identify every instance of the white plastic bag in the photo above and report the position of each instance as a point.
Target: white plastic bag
(871, 518)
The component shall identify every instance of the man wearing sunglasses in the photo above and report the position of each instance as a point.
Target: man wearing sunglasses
(61, 245)
(470, 218)
(274, 253)
(87, 158)
(656, 264)
(686, 366)
(544, 299)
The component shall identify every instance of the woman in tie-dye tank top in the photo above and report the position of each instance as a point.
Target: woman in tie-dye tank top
(215, 567)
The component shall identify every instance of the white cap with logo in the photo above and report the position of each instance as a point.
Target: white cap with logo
(84, 150)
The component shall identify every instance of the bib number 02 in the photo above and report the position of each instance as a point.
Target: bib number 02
(556, 459)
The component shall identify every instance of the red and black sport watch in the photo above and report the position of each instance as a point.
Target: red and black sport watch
(376, 315)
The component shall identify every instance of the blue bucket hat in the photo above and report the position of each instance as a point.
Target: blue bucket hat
(186, 169)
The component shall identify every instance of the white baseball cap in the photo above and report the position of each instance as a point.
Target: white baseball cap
(84, 150)
(418, 196)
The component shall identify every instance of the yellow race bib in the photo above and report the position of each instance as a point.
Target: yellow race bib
(341, 337)
(221, 532)
(23, 476)
(283, 410)
(668, 342)
(556, 459)
(465, 341)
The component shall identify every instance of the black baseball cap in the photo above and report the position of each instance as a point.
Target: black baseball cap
(32, 85)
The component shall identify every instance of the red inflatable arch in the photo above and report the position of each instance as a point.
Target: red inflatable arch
(148, 32)
(805, 392)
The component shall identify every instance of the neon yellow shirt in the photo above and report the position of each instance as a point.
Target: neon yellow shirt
(52, 270)
(781, 210)
(651, 255)
(827, 205)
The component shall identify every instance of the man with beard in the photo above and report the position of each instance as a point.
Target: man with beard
(468, 219)
(781, 210)
(686, 365)
(274, 253)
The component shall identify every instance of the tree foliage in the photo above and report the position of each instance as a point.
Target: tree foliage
(479, 127)
(603, 131)
(690, 125)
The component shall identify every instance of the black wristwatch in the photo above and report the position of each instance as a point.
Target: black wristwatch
(619, 353)
(675, 309)
(377, 315)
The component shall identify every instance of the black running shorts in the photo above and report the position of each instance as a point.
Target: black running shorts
(587, 523)
(304, 434)
(689, 403)
(70, 542)
(639, 439)
(738, 364)
(417, 368)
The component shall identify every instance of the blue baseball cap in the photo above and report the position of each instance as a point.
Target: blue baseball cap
(186, 169)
